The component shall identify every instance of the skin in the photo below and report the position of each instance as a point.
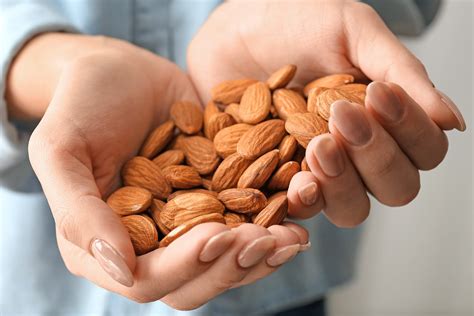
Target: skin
(327, 37)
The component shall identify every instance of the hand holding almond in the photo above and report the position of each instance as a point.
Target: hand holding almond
(378, 147)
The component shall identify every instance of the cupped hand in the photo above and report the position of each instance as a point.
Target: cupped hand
(102, 108)
(378, 148)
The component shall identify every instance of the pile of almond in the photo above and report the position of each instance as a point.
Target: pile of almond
(231, 163)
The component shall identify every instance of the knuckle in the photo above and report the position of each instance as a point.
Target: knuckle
(66, 224)
(385, 164)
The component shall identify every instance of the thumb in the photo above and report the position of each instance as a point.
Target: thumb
(375, 50)
(81, 216)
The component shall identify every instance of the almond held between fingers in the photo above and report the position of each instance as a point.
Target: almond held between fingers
(288, 102)
(243, 200)
(142, 172)
(169, 158)
(187, 226)
(231, 91)
(281, 77)
(200, 154)
(274, 213)
(129, 200)
(155, 210)
(158, 139)
(233, 110)
(227, 138)
(229, 171)
(259, 171)
(358, 89)
(330, 81)
(305, 126)
(216, 123)
(280, 180)
(261, 138)
(143, 233)
(187, 116)
(255, 104)
(287, 148)
(326, 98)
(182, 177)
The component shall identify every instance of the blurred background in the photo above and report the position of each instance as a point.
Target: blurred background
(417, 259)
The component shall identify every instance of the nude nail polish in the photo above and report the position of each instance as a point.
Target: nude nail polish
(256, 251)
(329, 157)
(112, 262)
(308, 194)
(305, 246)
(217, 245)
(454, 109)
(351, 122)
(283, 255)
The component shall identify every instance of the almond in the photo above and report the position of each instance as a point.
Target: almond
(305, 126)
(184, 228)
(304, 165)
(280, 180)
(233, 110)
(259, 171)
(330, 81)
(216, 123)
(158, 139)
(287, 149)
(261, 138)
(255, 104)
(274, 213)
(182, 177)
(200, 154)
(142, 172)
(234, 225)
(227, 138)
(169, 158)
(312, 103)
(276, 195)
(129, 200)
(231, 91)
(187, 116)
(209, 110)
(155, 210)
(281, 77)
(229, 171)
(143, 233)
(358, 89)
(207, 183)
(179, 192)
(231, 218)
(326, 98)
(243, 200)
(288, 102)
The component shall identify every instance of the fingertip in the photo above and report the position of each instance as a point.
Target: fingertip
(305, 199)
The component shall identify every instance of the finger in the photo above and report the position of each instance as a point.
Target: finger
(253, 243)
(80, 214)
(382, 57)
(386, 170)
(347, 203)
(416, 134)
(301, 232)
(305, 199)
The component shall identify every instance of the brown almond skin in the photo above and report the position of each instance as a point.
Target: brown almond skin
(143, 233)
(231, 91)
(306, 126)
(287, 149)
(227, 138)
(304, 165)
(259, 171)
(201, 154)
(209, 110)
(182, 177)
(326, 98)
(229, 171)
(288, 102)
(158, 139)
(142, 172)
(331, 81)
(179, 192)
(187, 226)
(312, 103)
(281, 77)
(187, 116)
(261, 138)
(169, 158)
(243, 200)
(274, 213)
(207, 183)
(255, 104)
(358, 89)
(280, 180)
(155, 209)
(232, 218)
(233, 110)
(217, 122)
(129, 200)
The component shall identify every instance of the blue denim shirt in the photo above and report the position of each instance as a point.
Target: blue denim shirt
(34, 279)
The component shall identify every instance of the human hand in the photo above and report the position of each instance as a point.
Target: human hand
(102, 106)
(379, 148)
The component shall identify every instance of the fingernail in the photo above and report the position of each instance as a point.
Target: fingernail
(329, 157)
(308, 194)
(454, 109)
(217, 245)
(351, 122)
(305, 246)
(256, 251)
(112, 263)
(385, 102)
(283, 255)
